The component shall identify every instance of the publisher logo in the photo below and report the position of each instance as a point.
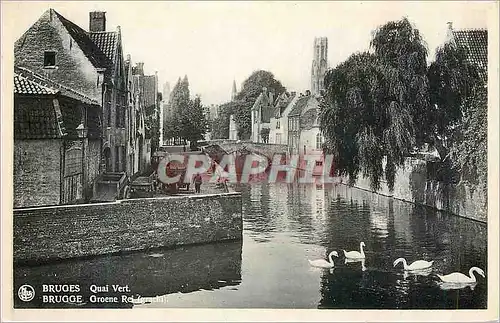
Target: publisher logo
(26, 293)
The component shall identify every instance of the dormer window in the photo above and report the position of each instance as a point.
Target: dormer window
(49, 59)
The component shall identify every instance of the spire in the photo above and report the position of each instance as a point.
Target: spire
(233, 93)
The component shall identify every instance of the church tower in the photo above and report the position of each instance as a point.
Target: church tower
(319, 64)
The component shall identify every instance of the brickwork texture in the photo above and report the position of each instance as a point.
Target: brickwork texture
(50, 233)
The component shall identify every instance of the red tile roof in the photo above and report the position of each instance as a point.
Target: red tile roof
(476, 43)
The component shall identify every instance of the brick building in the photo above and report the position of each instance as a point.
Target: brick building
(90, 62)
(57, 142)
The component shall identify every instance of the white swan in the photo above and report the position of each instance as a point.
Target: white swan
(416, 265)
(459, 278)
(321, 263)
(356, 254)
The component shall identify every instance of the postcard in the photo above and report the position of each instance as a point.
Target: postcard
(249, 161)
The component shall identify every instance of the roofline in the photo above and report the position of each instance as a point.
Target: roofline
(36, 75)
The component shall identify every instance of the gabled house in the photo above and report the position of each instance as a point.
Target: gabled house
(304, 134)
(89, 61)
(148, 106)
(262, 111)
(279, 121)
(57, 142)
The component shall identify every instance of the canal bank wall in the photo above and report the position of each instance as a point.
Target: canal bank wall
(415, 184)
(58, 232)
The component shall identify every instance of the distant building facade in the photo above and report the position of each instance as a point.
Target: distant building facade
(262, 111)
(279, 121)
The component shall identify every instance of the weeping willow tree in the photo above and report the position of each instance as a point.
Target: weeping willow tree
(372, 103)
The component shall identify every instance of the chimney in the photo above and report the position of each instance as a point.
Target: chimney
(97, 21)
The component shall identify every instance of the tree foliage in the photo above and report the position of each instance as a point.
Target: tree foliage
(251, 89)
(371, 102)
(452, 80)
(220, 125)
(187, 120)
(380, 106)
(470, 151)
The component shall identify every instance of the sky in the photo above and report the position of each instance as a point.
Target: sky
(214, 43)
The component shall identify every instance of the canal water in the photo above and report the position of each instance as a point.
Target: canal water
(285, 225)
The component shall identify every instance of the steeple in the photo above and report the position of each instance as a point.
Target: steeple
(319, 64)
(234, 92)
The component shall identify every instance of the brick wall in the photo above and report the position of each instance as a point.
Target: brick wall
(47, 233)
(413, 185)
(37, 167)
(73, 67)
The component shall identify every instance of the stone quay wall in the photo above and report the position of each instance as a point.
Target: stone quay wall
(413, 184)
(50, 233)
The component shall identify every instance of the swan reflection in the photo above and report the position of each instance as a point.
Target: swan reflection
(417, 272)
(362, 261)
(451, 286)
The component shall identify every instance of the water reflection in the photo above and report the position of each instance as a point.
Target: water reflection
(362, 261)
(284, 226)
(417, 272)
(183, 270)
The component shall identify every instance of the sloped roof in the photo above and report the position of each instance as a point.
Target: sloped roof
(476, 43)
(36, 119)
(98, 47)
(89, 48)
(282, 102)
(23, 85)
(41, 81)
(106, 41)
(299, 106)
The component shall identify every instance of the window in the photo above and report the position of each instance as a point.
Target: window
(319, 141)
(49, 59)
(278, 124)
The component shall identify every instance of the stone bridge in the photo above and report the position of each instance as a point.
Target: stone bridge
(267, 150)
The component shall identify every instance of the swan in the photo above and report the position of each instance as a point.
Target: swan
(356, 254)
(416, 265)
(321, 263)
(459, 278)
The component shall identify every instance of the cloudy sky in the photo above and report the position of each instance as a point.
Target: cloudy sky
(216, 42)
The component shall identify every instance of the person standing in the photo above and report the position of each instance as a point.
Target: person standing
(197, 182)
